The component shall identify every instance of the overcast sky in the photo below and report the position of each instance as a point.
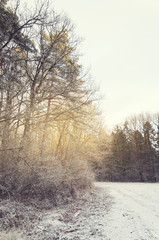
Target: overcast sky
(122, 47)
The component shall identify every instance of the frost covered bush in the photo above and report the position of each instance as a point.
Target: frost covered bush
(47, 178)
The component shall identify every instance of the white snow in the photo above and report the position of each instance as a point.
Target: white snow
(135, 212)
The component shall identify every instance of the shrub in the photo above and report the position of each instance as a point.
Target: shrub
(47, 178)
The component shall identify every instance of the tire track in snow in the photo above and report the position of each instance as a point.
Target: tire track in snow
(133, 216)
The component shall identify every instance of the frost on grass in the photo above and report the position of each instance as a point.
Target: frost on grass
(11, 235)
(80, 220)
(16, 215)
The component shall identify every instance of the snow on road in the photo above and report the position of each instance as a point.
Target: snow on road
(135, 212)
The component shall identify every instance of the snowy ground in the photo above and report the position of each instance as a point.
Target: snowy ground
(115, 211)
(135, 212)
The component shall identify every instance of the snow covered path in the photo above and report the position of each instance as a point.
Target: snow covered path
(135, 212)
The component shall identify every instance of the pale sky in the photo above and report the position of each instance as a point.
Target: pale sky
(121, 44)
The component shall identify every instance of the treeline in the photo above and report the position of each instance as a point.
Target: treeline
(131, 153)
(47, 116)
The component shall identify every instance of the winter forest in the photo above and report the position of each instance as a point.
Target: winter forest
(53, 143)
(130, 153)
